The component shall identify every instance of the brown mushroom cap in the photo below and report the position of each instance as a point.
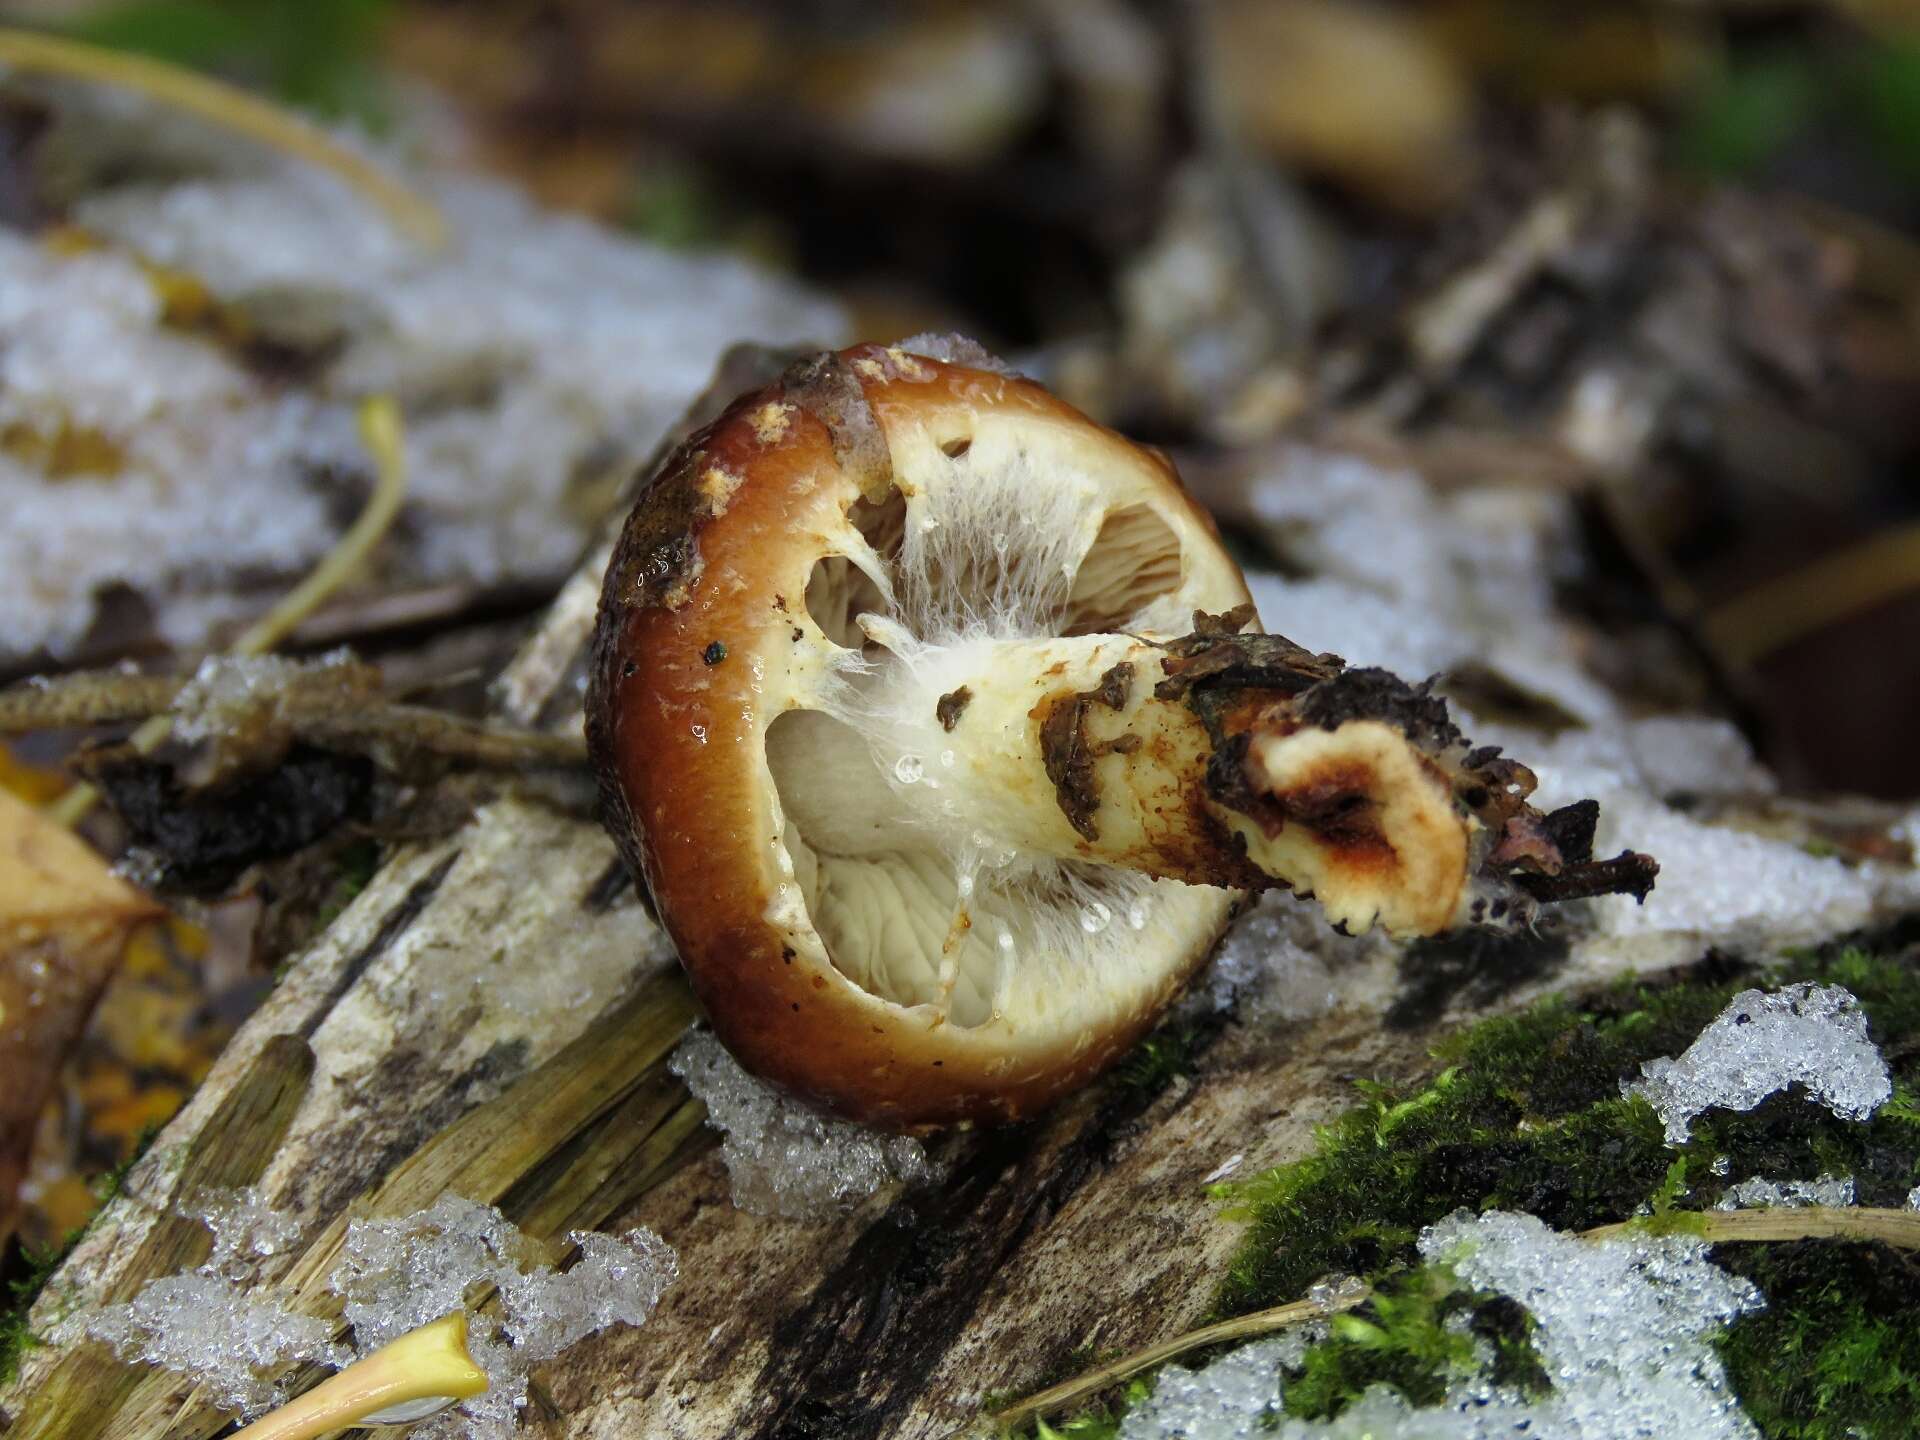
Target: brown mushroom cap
(855, 937)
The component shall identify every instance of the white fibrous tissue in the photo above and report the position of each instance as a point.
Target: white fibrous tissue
(532, 356)
(234, 1336)
(1759, 1193)
(233, 1333)
(1809, 1035)
(783, 1158)
(397, 1275)
(1913, 1198)
(1624, 1331)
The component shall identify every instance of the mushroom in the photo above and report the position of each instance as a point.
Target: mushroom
(936, 721)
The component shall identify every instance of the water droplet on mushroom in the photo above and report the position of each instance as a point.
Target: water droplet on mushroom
(1095, 917)
(1137, 915)
(946, 758)
(908, 769)
(699, 733)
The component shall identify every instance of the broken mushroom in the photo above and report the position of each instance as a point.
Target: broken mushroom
(937, 721)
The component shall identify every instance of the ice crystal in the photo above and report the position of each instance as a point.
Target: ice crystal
(1810, 1035)
(229, 1338)
(1624, 1331)
(783, 1158)
(214, 1322)
(1787, 1194)
(1235, 1398)
(954, 349)
(246, 1229)
(227, 690)
(397, 1275)
(235, 1335)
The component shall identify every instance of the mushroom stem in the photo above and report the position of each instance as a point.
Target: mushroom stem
(1221, 758)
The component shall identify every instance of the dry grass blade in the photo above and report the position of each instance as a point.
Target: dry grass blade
(380, 429)
(232, 109)
(1069, 1393)
(1774, 615)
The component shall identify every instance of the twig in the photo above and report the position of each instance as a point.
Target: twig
(232, 108)
(380, 431)
(1242, 1327)
(1774, 615)
(1900, 1228)
(413, 728)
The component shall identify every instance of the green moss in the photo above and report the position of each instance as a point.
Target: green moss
(1406, 1337)
(1526, 1113)
(1836, 1353)
(1162, 1057)
(1399, 1338)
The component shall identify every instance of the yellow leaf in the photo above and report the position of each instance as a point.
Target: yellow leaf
(64, 919)
(50, 878)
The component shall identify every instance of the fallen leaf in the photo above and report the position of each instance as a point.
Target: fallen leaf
(64, 922)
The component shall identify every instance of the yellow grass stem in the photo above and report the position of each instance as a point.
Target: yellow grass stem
(232, 109)
(382, 432)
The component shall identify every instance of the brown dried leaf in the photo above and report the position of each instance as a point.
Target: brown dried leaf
(64, 920)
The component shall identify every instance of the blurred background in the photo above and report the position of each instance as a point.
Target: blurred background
(1646, 271)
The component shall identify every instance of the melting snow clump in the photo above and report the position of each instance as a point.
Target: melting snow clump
(228, 1337)
(246, 1230)
(1811, 1035)
(783, 1158)
(1788, 1194)
(1235, 1398)
(1624, 1328)
(397, 1275)
(230, 1331)
(1624, 1332)
(214, 1322)
(954, 349)
(227, 690)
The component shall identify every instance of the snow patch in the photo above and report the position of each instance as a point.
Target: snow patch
(1787, 1194)
(1624, 1331)
(783, 1158)
(1281, 961)
(1810, 1035)
(532, 355)
(397, 1275)
(231, 1332)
